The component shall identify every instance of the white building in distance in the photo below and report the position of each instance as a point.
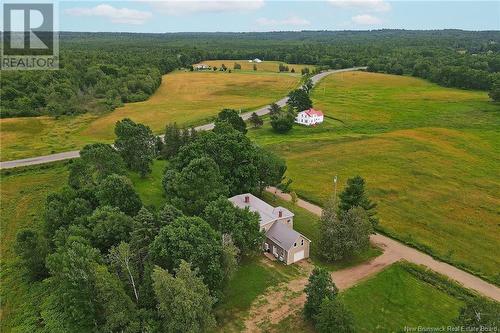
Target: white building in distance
(309, 117)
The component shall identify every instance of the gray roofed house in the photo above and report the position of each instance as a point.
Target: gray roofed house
(282, 241)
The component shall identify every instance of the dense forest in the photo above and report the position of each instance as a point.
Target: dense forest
(100, 71)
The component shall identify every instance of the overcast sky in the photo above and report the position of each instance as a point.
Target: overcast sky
(267, 15)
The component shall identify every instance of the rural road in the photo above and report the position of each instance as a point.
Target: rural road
(395, 251)
(75, 153)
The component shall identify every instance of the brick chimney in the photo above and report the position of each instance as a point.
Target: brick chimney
(247, 198)
(280, 213)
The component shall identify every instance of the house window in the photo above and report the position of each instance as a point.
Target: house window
(294, 244)
(302, 242)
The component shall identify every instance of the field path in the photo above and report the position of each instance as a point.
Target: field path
(394, 251)
(75, 153)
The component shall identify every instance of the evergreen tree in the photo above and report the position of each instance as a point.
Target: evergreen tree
(319, 287)
(334, 316)
(256, 120)
(354, 195)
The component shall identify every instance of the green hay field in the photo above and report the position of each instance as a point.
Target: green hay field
(394, 298)
(429, 154)
(188, 98)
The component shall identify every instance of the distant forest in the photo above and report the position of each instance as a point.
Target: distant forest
(100, 71)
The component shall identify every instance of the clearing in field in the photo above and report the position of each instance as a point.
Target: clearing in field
(265, 66)
(429, 154)
(188, 98)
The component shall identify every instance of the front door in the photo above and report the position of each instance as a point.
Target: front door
(275, 250)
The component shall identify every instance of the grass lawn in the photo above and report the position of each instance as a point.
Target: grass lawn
(188, 98)
(429, 154)
(150, 188)
(252, 278)
(22, 199)
(395, 298)
(265, 66)
(308, 224)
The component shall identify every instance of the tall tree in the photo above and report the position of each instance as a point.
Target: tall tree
(308, 85)
(343, 237)
(255, 120)
(96, 162)
(172, 141)
(272, 169)
(118, 191)
(320, 286)
(274, 108)
(334, 316)
(122, 259)
(194, 186)
(193, 240)
(233, 118)
(299, 100)
(109, 227)
(494, 93)
(354, 195)
(283, 121)
(136, 145)
(241, 225)
(184, 301)
(82, 295)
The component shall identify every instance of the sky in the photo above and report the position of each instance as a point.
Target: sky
(275, 15)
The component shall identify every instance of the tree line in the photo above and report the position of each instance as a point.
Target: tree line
(100, 71)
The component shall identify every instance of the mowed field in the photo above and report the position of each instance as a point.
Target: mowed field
(188, 98)
(394, 298)
(429, 154)
(265, 66)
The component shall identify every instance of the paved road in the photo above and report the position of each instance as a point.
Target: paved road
(75, 153)
(395, 251)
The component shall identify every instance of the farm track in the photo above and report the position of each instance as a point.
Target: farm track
(75, 153)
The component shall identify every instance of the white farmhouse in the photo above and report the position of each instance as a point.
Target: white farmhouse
(309, 117)
(257, 60)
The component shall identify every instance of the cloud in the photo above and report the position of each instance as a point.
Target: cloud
(363, 5)
(366, 19)
(116, 15)
(289, 21)
(179, 7)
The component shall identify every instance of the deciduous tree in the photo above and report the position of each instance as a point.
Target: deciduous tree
(184, 301)
(193, 240)
(233, 118)
(118, 191)
(194, 186)
(299, 100)
(109, 227)
(136, 145)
